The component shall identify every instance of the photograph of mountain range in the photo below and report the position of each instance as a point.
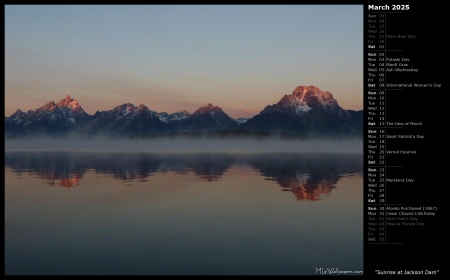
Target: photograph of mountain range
(183, 139)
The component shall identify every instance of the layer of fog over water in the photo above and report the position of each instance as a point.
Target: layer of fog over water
(187, 144)
(183, 206)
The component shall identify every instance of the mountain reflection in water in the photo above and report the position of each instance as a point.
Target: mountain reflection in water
(307, 176)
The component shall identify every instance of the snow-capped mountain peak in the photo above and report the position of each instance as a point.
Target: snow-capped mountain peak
(142, 107)
(300, 91)
(124, 109)
(292, 102)
(313, 96)
(241, 120)
(18, 117)
(307, 101)
(208, 108)
(68, 102)
(164, 117)
(50, 106)
(71, 109)
(209, 118)
(179, 115)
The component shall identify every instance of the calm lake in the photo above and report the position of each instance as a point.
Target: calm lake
(134, 213)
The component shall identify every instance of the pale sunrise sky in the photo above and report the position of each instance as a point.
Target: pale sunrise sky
(240, 58)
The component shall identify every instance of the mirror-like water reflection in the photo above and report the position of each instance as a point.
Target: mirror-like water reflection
(306, 175)
(205, 213)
